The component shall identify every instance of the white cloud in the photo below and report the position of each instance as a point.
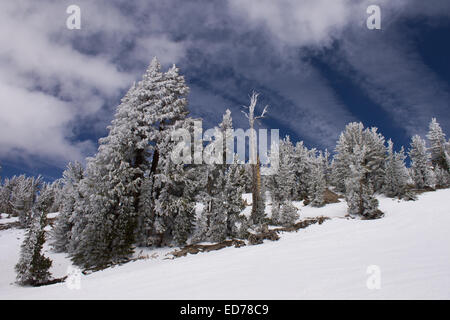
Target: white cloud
(385, 64)
(167, 51)
(36, 123)
(309, 22)
(398, 80)
(47, 84)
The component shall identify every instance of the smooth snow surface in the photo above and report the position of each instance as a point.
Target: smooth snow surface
(410, 245)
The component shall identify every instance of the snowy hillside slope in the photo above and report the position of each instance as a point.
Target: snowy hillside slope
(410, 245)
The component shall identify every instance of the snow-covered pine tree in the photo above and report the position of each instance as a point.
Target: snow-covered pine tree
(114, 176)
(57, 190)
(233, 203)
(234, 179)
(447, 153)
(211, 225)
(5, 197)
(302, 170)
(286, 174)
(79, 221)
(396, 177)
(375, 157)
(23, 197)
(373, 143)
(222, 190)
(10, 187)
(287, 214)
(437, 140)
(144, 223)
(171, 114)
(226, 127)
(352, 136)
(62, 229)
(317, 181)
(184, 212)
(327, 167)
(141, 127)
(422, 174)
(206, 194)
(217, 230)
(359, 191)
(232, 187)
(44, 200)
(33, 267)
(281, 185)
(174, 205)
(442, 177)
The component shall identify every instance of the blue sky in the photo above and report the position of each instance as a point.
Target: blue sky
(313, 62)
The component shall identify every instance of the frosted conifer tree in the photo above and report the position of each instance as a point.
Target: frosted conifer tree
(206, 195)
(442, 177)
(45, 199)
(302, 170)
(359, 191)
(420, 169)
(286, 215)
(174, 206)
(226, 127)
(170, 114)
(375, 157)
(317, 181)
(5, 197)
(396, 177)
(233, 204)
(62, 229)
(23, 198)
(114, 177)
(437, 141)
(353, 136)
(33, 267)
(143, 232)
(57, 190)
(217, 230)
(282, 184)
(79, 221)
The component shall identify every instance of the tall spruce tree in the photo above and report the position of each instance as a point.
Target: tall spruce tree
(33, 267)
(317, 181)
(359, 190)
(421, 172)
(233, 202)
(23, 197)
(281, 185)
(62, 229)
(437, 141)
(396, 177)
(5, 196)
(114, 177)
(171, 113)
(353, 136)
(285, 215)
(302, 168)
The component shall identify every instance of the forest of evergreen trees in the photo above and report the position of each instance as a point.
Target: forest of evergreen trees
(131, 194)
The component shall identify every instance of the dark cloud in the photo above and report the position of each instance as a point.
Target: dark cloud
(225, 49)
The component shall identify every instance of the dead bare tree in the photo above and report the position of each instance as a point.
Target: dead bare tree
(257, 200)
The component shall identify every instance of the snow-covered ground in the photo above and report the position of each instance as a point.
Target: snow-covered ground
(410, 246)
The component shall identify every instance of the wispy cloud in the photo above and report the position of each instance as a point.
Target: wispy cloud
(59, 87)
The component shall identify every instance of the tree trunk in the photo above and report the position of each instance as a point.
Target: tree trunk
(256, 189)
